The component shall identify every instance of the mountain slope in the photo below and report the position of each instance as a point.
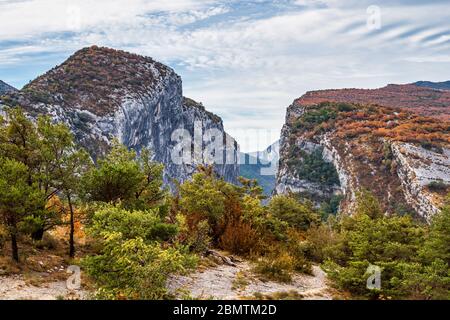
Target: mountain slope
(6, 88)
(338, 148)
(102, 93)
(422, 100)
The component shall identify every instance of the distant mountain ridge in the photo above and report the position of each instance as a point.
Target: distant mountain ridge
(445, 85)
(261, 166)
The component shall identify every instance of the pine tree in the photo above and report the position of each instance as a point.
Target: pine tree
(67, 164)
(124, 177)
(53, 164)
(17, 199)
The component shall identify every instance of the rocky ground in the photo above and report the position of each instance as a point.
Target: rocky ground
(218, 277)
(18, 287)
(234, 280)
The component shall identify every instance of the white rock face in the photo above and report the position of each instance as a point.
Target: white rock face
(418, 167)
(287, 181)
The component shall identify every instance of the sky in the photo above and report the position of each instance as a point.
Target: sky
(244, 60)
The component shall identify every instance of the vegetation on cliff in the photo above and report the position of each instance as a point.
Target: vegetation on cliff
(420, 98)
(360, 141)
(96, 79)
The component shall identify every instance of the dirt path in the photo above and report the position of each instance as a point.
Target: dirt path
(16, 288)
(238, 282)
(233, 280)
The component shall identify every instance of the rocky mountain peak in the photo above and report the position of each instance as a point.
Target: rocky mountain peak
(102, 93)
(97, 79)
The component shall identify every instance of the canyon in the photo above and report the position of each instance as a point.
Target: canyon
(399, 152)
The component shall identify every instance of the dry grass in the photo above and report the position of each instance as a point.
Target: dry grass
(283, 295)
(241, 281)
(43, 261)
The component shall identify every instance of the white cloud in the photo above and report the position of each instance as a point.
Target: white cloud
(31, 17)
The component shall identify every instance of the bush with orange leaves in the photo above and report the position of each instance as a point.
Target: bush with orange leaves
(238, 236)
(206, 198)
(369, 120)
(237, 222)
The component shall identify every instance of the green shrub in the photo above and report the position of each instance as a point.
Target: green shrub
(312, 167)
(299, 249)
(132, 224)
(197, 239)
(47, 242)
(317, 116)
(326, 243)
(330, 207)
(277, 266)
(345, 107)
(132, 263)
(295, 214)
(437, 186)
(135, 269)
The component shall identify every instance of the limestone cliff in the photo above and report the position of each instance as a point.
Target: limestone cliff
(335, 148)
(102, 94)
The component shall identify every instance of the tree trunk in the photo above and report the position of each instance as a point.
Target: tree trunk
(72, 229)
(38, 234)
(15, 249)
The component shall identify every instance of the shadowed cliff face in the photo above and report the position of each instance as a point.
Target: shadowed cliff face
(103, 94)
(334, 148)
(6, 88)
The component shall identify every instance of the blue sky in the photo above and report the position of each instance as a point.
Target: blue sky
(245, 60)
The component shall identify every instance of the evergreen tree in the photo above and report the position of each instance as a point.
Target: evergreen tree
(18, 199)
(437, 244)
(367, 204)
(296, 214)
(48, 152)
(123, 177)
(203, 198)
(67, 164)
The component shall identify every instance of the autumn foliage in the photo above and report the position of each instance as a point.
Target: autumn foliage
(369, 121)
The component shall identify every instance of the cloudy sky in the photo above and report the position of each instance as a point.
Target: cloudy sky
(245, 60)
